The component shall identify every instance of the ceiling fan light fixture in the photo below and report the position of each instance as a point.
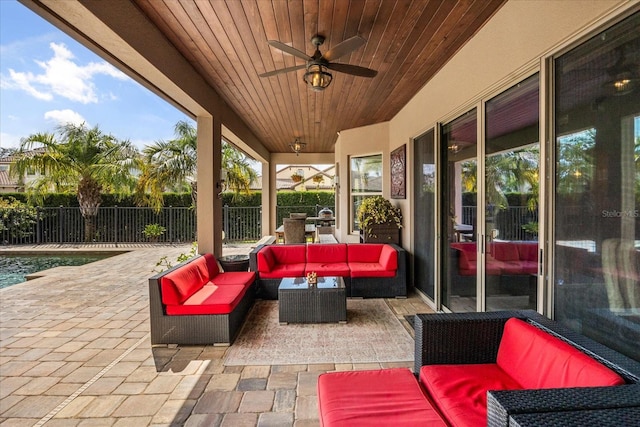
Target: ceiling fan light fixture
(317, 78)
(297, 146)
(623, 84)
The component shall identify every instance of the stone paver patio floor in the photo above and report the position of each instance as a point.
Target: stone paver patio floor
(75, 351)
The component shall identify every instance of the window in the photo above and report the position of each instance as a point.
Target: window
(366, 181)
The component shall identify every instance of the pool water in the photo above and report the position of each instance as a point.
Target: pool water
(14, 268)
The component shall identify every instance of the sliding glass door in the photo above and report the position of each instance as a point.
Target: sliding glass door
(511, 191)
(424, 213)
(459, 167)
(597, 200)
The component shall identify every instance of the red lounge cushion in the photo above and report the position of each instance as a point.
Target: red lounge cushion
(284, 270)
(180, 284)
(537, 359)
(212, 265)
(467, 263)
(211, 299)
(333, 253)
(364, 252)
(289, 254)
(266, 260)
(385, 397)
(369, 269)
(507, 267)
(460, 391)
(504, 251)
(388, 258)
(328, 269)
(244, 278)
(528, 252)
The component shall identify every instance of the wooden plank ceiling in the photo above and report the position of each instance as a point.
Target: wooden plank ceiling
(407, 42)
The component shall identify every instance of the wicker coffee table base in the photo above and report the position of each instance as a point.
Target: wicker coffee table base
(313, 305)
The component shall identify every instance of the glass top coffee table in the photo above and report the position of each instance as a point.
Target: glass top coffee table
(323, 302)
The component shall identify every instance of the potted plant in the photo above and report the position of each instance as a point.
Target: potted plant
(153, 231)
(297, 178)
(379, 220)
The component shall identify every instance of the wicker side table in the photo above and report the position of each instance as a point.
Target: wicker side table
(234, 262)
(322, 303)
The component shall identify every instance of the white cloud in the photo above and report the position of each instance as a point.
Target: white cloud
(9, 141)
(63, 117)
(63, 77)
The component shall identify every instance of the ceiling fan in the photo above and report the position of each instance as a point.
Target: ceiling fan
(316, 76)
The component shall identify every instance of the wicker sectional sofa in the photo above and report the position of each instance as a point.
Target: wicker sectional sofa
(495, 369)
(369, 270)
(194, 303)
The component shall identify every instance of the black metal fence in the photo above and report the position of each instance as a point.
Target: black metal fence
(126, 225)
(509, 222)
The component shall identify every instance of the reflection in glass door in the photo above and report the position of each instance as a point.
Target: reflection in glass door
(512, 153)
(597, 193)
(424, 232)
(458, 219)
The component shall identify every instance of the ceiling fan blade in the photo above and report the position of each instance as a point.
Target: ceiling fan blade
(352, 69)
(282, 70)
(343, 48)
(288, 49)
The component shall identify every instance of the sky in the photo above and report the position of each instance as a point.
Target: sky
(48, 79)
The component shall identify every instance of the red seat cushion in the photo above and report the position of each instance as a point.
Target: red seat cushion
(328, 269)
(460, 391)
(284, 270)
(384, 397)
(369, 269)
(244, 278)
(211, 299)
(537, 359)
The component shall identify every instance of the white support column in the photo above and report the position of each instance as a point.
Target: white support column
(209, 209)
(266, 200)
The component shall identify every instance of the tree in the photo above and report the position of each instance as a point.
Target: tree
(172, 165)
(82, 160)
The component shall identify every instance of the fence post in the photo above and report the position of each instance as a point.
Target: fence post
(115, 225)
(60, 224)
(38, 215)
(170, 225)
(225, 222)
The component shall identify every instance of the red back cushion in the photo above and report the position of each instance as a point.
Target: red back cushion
(266, 260)
(289, 254)
(528, 251)
(503, 251)
(212, 266)
(536, 359)
(364, 252)
(178, 285)
(388, 258)
(327, 253)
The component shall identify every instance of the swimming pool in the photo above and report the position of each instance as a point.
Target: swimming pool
(14, 268)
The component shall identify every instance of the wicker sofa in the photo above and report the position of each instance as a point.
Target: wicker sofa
(370, 270)
(495, 369)
(194, 303)
(509, 268)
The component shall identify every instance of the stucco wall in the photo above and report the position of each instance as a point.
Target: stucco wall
(362, 141)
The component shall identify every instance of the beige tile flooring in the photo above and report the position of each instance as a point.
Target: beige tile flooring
(75, 351)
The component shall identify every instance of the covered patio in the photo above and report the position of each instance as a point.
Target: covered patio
(460, 84)
(75, 351)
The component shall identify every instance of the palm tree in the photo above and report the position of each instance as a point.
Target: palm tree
(82, 160)
(172, 165)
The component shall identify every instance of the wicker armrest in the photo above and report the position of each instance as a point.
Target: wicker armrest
(503, 404)
(459, 338)
(253, 258)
